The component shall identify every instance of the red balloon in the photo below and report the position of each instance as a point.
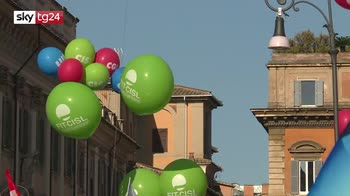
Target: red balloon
(344, 119)
(109, 58)
(344, 3)
(71, 70)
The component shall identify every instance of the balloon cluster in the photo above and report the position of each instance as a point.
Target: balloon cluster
(146, 84)
(344, 3)
(180, 177)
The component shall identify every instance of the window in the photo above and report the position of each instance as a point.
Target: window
(40, 138)
(69, 157)
(8, 112)
(160, 140)
(54, 150)
(24, 130)
(116, 184)
(102, 177)
(81, 168)
(91, 174)
(304, 173)
(308, 93)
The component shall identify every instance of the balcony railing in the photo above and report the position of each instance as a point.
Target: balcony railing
(111, 117)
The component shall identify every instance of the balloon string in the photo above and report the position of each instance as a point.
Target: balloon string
(125, 26)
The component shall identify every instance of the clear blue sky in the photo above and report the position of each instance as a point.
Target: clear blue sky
(216, 45)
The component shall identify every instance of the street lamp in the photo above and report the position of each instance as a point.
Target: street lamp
(278, 42)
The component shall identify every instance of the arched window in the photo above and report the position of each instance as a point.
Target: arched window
(305, 165)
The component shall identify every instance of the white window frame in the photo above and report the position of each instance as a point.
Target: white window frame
(306, 175)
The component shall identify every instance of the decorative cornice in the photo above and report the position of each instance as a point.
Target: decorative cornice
(294, 117)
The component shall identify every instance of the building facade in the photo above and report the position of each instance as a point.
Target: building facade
(41, 161)
(299, 117)
(182, 129)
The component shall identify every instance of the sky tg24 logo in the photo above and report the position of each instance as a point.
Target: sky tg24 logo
(38, 17)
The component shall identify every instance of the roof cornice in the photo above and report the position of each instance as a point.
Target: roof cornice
(319, 117)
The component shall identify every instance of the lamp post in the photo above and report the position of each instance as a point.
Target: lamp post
(278, 41)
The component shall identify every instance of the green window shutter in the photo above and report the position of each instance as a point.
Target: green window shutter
(318, 166)
(294, 177)
(297, 93)
(319, 93)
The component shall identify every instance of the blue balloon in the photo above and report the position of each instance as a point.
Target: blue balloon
(334, 176)
(116, 79)
(49, 59)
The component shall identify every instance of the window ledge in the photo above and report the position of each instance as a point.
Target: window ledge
(309, 106)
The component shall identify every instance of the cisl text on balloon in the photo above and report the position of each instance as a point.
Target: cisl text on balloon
(130, 92)
(83, 59)
(183, 193)
(73, 123)
(94, 84)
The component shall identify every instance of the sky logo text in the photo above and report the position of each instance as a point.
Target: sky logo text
(38, 17)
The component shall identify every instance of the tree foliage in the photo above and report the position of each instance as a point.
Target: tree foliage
(307, 42)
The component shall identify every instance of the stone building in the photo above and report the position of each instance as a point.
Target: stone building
(41, 161)
(299, 117)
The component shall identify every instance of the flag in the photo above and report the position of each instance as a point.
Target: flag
(334, 176)
(11, 185)
(130, 191)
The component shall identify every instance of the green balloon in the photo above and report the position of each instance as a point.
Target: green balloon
(73, 110)
(81, 49)
(147, 84)
(143, 182)
(96, 76)
(183, 177)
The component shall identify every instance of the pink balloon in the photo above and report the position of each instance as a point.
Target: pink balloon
(109, 58)
(344, 3)
(344, 119)
(71, 70)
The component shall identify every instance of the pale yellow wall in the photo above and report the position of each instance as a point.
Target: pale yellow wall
(185, 124)
(281, 83)
(196, 129)
(285, 68)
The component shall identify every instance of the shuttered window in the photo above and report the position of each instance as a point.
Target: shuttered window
(160, 140)
(303, 175)
(308, 93)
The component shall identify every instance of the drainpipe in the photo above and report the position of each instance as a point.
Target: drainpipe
(186, 128)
